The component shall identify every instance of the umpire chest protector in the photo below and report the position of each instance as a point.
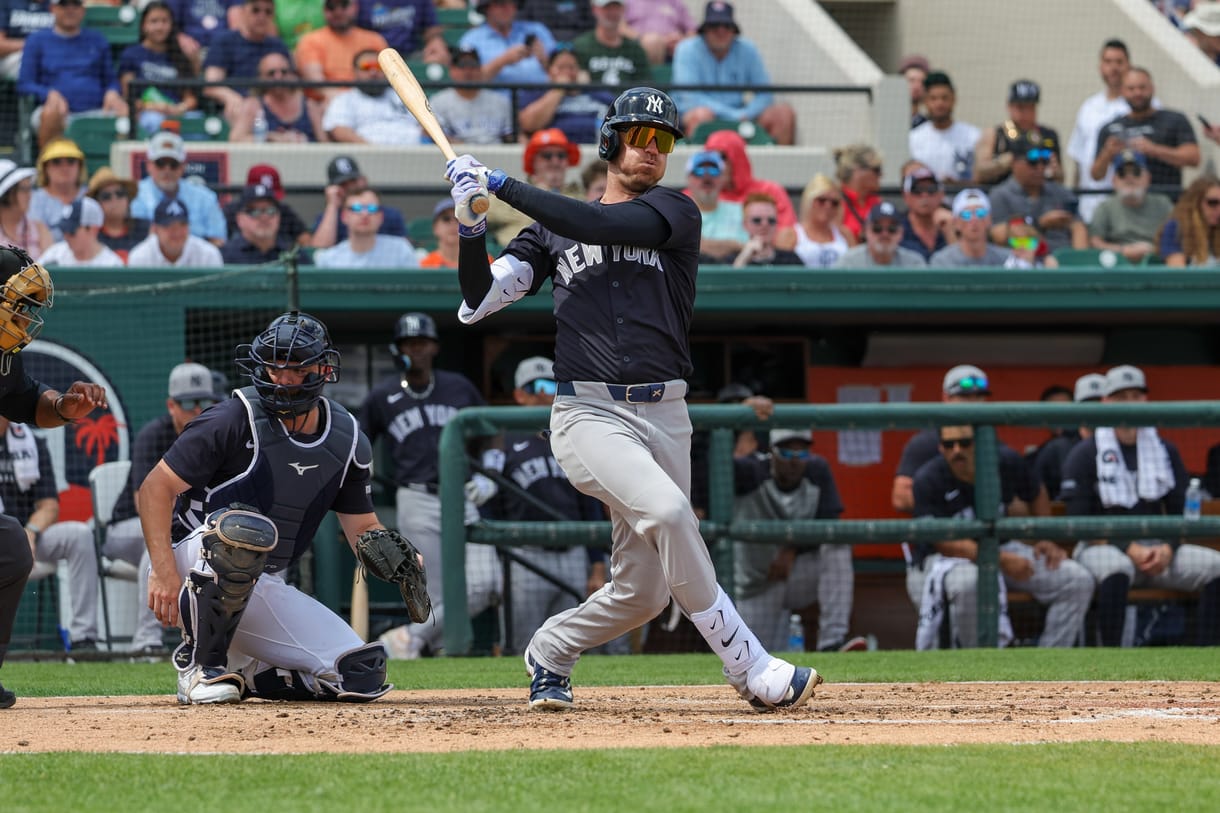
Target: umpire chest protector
(293, 482)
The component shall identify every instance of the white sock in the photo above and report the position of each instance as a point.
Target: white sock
(728, 636)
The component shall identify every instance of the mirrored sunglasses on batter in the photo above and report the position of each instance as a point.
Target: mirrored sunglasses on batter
(541, 386)
(640, 136)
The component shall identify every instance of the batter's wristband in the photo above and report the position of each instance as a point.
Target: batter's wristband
(495, 179)
(472, 232)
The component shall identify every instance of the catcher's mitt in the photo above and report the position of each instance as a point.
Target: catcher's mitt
(391, 557)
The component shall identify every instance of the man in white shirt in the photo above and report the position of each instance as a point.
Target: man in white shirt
(1095, 112)
(364, 247)
(370, 115)
(943, 145)
(171, 242)
(80, 223)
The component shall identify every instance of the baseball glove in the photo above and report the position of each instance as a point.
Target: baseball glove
(391, 557)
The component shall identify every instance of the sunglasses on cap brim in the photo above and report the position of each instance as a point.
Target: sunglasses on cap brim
(639, 135)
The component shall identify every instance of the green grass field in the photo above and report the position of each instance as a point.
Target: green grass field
(1077, 776)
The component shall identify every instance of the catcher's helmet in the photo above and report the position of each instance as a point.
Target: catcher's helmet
(26, 292)
(637, 106)
(292, 340)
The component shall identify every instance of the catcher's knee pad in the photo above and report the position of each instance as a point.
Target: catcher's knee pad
(362, 673)
(236, 544)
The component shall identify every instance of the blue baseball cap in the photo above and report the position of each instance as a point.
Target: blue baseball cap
(703, 158)
(170, 210)
(1130, 157)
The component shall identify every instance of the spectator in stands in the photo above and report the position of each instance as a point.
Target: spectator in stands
(200, 22)
(445, 230)
(820, 237)
(963, 383)
(120, 231)
(565, 19)
(928, 224)
(741, 182)
(370, 115)
(607, 56)
(364, 247)
(790, 482)
(166, 166)
(17, 228)
(1049, 458)
(19, 20)
(1027, 244)
(719, 56)
(942, 144)
(409, 27)
(61, 181)
(1127, 222)
(858, 168)
(292, 228)
(1163, 136)
(577, 113)
(157, 57)
(593, 179)
(510, 50)
(1202, 27)
(943, 578)
(68, 70)
(882, 236)
(722, 234)
(972, 221)
(329, 54)
(548, 155)
(994, 154)
(1191, 235)
(1095, 112)
(915, 68)
(759, 217)
(291, 117)
(1125, 471)
(236, 54)
(30, 496)
(257, 238)
(659, 25)
(1028, 193)
(171, 242)
(471, 115)
(343, 178)
(80, 225)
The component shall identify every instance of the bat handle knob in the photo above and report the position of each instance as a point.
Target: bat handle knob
(479, 204)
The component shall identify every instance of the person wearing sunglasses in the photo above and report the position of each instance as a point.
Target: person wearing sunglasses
(723, 235)
(858, 170)
(623, 271)
(760, 219)
(928, 225)
(235, 53)
(1028, 246)
(1191, 235)
(120, 231)
(994, 154)
(1028, 193)
(972, 222)
(771, 582)
(882, 239)
(258, 238)
(820, 236)
(333, 52)
(166, 165)
(372, 113)
(942, 578)
(365, 247)
(288, 115)
(1127, 221)
(548, 156)
(61, 182)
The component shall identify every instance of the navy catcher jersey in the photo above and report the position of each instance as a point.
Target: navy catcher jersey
(622, 312)
(19, 393)
(529, 463)
(413, 423)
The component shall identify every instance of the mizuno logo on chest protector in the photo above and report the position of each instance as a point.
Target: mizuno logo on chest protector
(301, 469)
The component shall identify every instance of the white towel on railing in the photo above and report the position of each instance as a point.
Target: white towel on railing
(23, 451)
(1116, 484)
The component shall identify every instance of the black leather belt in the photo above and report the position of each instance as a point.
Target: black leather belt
(628, 393)
(427, 488)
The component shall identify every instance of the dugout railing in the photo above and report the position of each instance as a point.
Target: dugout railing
(721, 528)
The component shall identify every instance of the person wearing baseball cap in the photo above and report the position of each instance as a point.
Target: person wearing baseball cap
(258, 238)
(882, 236)
(80, 223)
(547, 158)
(1128, 221)
(171, 242)
(1133, 471)
(166, 167)
(928, 225)
(972, 219)
(17, 228)
(998, 146)
(344, 178)
(292, 227)
(722, 235)
(1029, 193)
(1047, 461)
(120, 231)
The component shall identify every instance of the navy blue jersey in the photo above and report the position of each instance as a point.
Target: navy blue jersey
(401, 22)
(622, 312)
(225, 458)
(150, 445)
(413, 421)
(922, 447)
(751, 471)
(19, 394)
(1079, 486)
(17, 503)
(202, 19)
(529, 462)
(1047, 468)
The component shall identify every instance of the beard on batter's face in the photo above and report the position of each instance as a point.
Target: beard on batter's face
(641, 169)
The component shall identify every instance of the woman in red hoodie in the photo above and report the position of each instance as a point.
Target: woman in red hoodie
(741, 182)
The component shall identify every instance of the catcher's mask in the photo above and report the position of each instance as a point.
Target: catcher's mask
(292, 341)
(27, 291)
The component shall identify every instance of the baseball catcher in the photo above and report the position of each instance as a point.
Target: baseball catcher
(391, 557)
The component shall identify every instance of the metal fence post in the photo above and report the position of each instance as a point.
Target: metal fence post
(986, 507)
(720, 503)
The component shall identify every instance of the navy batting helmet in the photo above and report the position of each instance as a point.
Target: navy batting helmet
(292, 340)
(637, 106)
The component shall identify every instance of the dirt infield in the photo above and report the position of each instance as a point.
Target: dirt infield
(632, 717)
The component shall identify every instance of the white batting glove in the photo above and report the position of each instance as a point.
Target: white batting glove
(464, 192)
(479, 489)
(465, 165)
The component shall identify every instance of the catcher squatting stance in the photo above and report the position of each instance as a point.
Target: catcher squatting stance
(253, 477)
(623, 271)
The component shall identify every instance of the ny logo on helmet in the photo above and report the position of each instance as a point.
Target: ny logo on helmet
(654, 104)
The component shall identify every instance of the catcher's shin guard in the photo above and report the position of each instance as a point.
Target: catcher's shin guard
(361, 678)
(236, 544)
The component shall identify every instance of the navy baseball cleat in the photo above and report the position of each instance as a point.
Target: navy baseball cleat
(7, 698)
(792, 694)
(548, 691)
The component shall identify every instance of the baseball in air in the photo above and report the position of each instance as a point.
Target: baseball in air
(746, 130)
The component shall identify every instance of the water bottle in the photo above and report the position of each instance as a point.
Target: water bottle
(796, 634)
(1194, 499)
(260, 126)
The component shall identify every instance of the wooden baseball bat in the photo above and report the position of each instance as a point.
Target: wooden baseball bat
(360, 604)
(407, 87)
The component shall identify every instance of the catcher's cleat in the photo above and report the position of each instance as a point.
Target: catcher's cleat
(208, 684)
(548, 691)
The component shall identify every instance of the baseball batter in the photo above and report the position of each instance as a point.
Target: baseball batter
(253, 477)
(26, 291)
(623, 270)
